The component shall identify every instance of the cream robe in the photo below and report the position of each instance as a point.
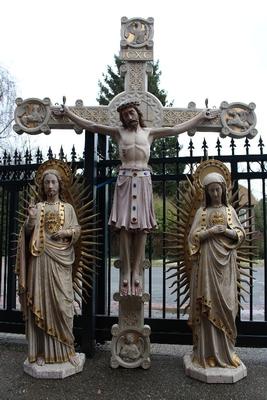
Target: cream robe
(45, 287)
(213, 288)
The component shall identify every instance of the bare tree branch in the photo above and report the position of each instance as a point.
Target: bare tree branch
(7, 102)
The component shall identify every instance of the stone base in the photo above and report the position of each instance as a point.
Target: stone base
(53, 371)
(215, 374)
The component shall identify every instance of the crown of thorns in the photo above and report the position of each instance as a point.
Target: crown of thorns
(128, 104)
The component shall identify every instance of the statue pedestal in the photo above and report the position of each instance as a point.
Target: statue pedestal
(130, 345)
(214, 375)
(53, 371)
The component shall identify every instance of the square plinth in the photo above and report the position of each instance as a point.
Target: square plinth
(214, 374)
(54, 371)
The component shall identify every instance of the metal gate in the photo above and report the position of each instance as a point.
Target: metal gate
(163, 313)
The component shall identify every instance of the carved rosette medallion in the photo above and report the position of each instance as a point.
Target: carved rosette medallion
(137, 39)
(238, 120)
(137, 32)
(32, 116)
(149, 105)
(130, 347)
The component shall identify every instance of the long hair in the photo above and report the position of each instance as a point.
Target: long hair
(61, 191)
(140, 116)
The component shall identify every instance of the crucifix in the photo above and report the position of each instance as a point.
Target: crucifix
(130, 341)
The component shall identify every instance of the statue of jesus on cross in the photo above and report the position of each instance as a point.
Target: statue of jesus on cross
(132, 211)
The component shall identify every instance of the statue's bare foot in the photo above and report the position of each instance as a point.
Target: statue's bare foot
(40, 361)
(125, 288)
(75, 360)
(137, 288)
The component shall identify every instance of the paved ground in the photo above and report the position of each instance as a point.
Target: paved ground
(165, 380)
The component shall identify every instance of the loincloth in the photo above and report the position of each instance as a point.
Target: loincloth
(132, 207)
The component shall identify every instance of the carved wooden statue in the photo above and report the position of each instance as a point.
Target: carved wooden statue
(132, 212)
(208, 240)
(133, 216)
(48, 274)
(215, 235)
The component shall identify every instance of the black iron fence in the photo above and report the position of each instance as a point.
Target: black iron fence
(163, 312)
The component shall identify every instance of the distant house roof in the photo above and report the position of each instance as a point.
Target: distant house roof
(243, 191)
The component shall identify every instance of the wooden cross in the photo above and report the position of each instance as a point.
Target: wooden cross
(34, 116)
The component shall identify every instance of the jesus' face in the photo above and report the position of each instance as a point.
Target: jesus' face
(51, 186)
(130, 118)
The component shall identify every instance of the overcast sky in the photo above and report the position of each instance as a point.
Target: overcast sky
(208, 48)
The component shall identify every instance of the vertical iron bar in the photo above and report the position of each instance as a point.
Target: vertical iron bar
(163, 235)
(235, 183)
(150, 241)
(109, 251)
(2, 241)
(88, 309)
(12, 225)
(101, 282)
(251, 265)
(264, 205)
(178, 302)
(6, 221)
(247, 145)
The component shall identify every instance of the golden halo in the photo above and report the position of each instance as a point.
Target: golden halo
(209, 166)
(60, 166)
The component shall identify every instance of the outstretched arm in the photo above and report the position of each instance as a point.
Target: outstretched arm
(185, 126)
(89, 125)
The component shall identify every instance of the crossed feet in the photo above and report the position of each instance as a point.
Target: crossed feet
(136, 289)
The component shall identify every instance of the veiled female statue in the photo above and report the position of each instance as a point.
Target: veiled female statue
(215, 235)
(205, 242)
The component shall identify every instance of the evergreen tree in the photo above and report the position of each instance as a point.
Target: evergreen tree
(113, 84)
